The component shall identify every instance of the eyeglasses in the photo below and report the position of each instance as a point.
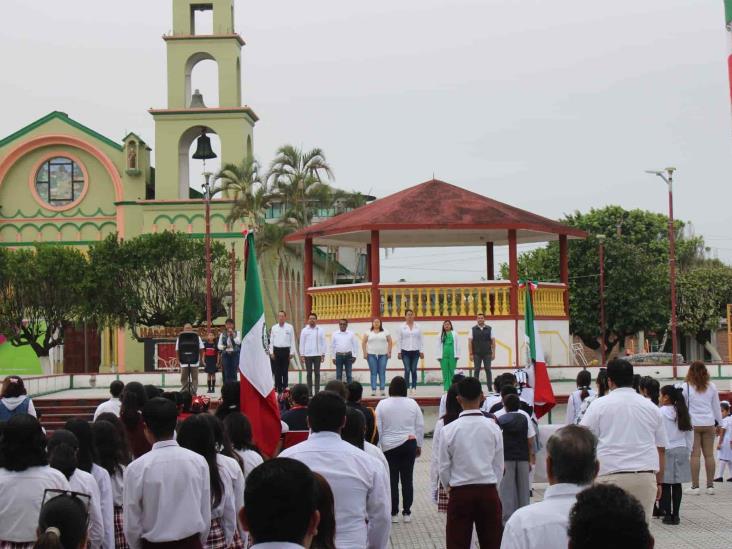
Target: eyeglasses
(51, 493)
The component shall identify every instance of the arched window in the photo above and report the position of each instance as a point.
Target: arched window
(60, 182)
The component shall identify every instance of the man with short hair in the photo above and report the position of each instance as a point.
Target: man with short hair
(359, 481)
(281, 345)
(297, 416)
(114, 404)
(230, 345)
(355, 392)
(312, 351)
(571, 466)
(272, 516)
(608, 517)
(631, 437)
(482, 348)
(343, 350)
(167, 495)
(470, 467)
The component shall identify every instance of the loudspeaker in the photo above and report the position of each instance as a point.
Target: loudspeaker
(188, 351)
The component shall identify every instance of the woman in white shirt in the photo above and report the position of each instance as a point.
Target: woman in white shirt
(377, 350)
(63, 521)
(112, 457)
(602, 389)
(452, 412)
(401, 433)
(702, 400)
(239, 430)
(575, 400)
(680, 436)
(24, 477)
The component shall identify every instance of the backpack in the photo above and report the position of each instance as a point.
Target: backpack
(6, 414)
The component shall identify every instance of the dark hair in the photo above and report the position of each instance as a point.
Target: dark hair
(354, 430)
(62, 448)
(452, 405)
(186, 401)
(511, 403)
(698, 376)
(196, 435)
(125, 453)
(469, 388)
(231, 320)
(508, 390)
(313, 314)
(116, 388)
(110, 451)
(398, 386)
(620, 372)
(584, 379)
(152, 392)
(497, 382)
(300, 394)
(23, 443)
(573, 451)
(355, 391)
(637, 383)
(160, 416)
(280, 311)
(457, 378)
(442, 333)
(221, 439)
(408, 311)
(239, 429)
(607, 517)
(272, 513)
(650, 388)
(66, 514)
(13, 386)
(82, 430)
(676, 396)
(337, 387)
(724, 405)
(326, 412)
(325, 538)
(381, 325)
(479, 313)
(230, 399)
(134, 399)
(601, 380)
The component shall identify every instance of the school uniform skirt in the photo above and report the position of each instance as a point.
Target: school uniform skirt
(16, 545)
(678, 466)
(216, 538)
(119, 535)
(442, 498)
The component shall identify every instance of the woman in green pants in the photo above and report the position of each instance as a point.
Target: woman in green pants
(448, 353)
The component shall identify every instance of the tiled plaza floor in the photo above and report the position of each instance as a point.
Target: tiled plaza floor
(706, 521)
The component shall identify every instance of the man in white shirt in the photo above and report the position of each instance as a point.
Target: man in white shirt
(411, 348)
(113, 405)
(312, 351)
(571, 466)
(189, 369)
(281, 345)
(343, 350)
(359, 482)
(229, 345)
(631, 437)
(470, 466)
(280, 505)
(167, 495)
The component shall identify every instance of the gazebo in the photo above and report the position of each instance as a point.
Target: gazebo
(438, 214)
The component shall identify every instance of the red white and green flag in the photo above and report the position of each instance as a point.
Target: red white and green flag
(536, 365)
(728, 25)
(258, 398)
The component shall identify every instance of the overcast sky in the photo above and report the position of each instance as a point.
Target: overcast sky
(552, 106)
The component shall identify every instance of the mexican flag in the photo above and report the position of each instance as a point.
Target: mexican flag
(728, 25)
(258, 398)
(538, 376)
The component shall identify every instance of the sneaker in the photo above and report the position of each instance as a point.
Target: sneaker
(719, 479)
(693, 491)
(407, 519)
(373, 393)
(395, 519)
(710, 490)
(384, 394)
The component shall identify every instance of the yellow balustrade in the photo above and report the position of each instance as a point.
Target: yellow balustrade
(342, 302)
(548, 301)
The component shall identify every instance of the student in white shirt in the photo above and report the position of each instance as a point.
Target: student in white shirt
(343, 350)
(63, 521)
(702, 399)
(411, 348)
(190, 371)
(312, 351)
(167, 492)
(281, 350)
(400, 423)
(470, 467)
(452, 412)
(377, 346)
(354, 432)
(239, 430)
(631, 437)
(724, 447)
(571, 466)
(24, 477)
(272, 516)
(114, 404)
(111, 456)
(576, 398)
(601, 382)
(358, 481)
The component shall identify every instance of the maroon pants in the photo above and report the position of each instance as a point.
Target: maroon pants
(477, 504)
(193, 542)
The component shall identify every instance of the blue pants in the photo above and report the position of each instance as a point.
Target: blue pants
(230, 364)
(410, 360)
(341, 361)
(377, 367)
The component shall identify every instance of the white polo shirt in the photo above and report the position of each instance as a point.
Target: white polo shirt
(282, 337)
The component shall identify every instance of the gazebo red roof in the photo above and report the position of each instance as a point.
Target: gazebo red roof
(434, 213)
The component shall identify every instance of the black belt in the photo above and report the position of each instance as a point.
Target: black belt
(631, 472)
(344, 354)
(282, 349)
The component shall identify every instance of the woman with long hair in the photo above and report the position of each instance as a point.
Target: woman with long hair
(195, 434)
(452, 412)
(14, 399)
(325, 536)
(110, 456)
(239, 430)
(650, 388)
(680, 436)
(133, 401)
(63, 523)
(575, 400)
(448, 353)
(603, 388)
(377, 346)
(702, 399)
(125, 454)
(230, 400)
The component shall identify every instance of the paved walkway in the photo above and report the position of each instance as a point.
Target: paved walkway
(706, 521)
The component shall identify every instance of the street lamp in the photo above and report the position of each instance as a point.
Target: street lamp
(601, 241)
(205, 152)
(668, 178)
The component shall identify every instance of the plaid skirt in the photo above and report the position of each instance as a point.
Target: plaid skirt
(16, 545)
(216, 538)
(442, 498)
(237, 543)
(119, 535)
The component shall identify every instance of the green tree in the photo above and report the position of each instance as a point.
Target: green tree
(703, 292)
(245, 184)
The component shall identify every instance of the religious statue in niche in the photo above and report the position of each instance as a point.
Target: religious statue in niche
(132, 155)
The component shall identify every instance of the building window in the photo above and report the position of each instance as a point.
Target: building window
(60, 182)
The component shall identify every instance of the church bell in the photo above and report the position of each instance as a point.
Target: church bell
(197, 100)
(203, 147)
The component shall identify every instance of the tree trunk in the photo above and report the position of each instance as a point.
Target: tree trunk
(712, 350)
(46, 365)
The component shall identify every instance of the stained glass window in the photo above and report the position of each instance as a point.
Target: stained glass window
(59, 181)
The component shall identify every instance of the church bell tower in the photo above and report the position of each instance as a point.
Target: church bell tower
(186, 115)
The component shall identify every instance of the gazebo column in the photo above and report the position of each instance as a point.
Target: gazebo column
(490, 267)
(308, 275)
(374, 274)
(368, 262)
(564, 269)
(513, 277)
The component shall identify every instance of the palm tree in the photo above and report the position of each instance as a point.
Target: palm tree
(249, 190)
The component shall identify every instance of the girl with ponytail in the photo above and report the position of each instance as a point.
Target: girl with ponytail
(63, 523)
(680, 435)
(602, 390)
(575, 400)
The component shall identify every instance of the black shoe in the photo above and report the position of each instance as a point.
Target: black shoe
(719, 479)
(657, 512)
(676, 521)
(729, 479)
(668, 519)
